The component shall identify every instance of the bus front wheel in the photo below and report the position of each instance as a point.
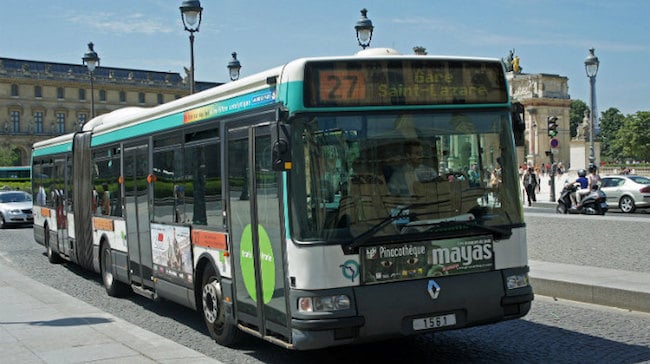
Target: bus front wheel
(214, 314)
(52, 256)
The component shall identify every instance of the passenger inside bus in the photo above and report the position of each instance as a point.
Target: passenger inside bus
(106, 200)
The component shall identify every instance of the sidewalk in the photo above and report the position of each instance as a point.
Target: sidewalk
(608, 287)
(39, 324)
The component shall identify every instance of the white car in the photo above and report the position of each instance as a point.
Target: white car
(628, 192)
(15, 208)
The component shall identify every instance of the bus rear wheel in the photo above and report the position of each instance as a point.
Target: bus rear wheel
(213, 311)
(114, 288)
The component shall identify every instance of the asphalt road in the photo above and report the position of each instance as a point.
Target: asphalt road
(554, 331)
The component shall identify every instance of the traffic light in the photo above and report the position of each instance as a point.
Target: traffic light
(552, 126)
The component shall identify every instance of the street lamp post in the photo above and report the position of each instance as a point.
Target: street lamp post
(233, 67)
(91, 60)
(364, 30)
(191, 12)
(591, 67)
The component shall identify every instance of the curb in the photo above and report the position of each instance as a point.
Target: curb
(601, 286)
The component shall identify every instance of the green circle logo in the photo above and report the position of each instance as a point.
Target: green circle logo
(267, 263)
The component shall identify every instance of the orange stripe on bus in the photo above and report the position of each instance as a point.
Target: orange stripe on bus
(45, 211)
(209, 239)
(103, 224)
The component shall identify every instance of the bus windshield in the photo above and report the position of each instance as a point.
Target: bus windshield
(381, 176)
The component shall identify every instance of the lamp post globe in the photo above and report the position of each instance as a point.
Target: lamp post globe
(591, 68)
(233, 67)
(191, 14)
(364, 29)
(91, 61)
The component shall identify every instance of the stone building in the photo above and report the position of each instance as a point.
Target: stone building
(543, 96)
(40, 100)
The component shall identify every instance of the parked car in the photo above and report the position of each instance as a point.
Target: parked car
(15, 208)
(628, 192)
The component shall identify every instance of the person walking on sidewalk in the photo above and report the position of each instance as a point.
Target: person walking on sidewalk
(530, 182)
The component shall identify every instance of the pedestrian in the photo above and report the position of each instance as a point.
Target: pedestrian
(530, 182)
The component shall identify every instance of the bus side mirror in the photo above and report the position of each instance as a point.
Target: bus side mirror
(280, 146)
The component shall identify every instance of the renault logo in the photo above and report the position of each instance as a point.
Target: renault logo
(434, 289)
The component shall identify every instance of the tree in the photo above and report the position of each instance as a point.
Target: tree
(610, 122)
(420, 51)
(576, 114)
(8, 155)
(633, 138)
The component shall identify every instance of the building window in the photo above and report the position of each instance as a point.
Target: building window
(102, 95)
(161, 100)
(15, 121)
(82, 118)
(60, 93)
(141, 98)
(38, 122)
(38, 91)
(122, 96)
(82, 94)
(60, 122)
(14, 90)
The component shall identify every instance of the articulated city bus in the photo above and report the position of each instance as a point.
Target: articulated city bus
(15, 173)
(325, 202)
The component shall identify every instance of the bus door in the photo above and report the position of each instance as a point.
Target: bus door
(256, 232)
(137, 204)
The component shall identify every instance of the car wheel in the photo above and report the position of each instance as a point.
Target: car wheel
(2, 222)
(114, 288)
(52, 256)
(214, 313)
(626, 204)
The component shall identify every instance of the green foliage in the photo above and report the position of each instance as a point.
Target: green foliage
(610, 122)
(8, 155)
(633, 137)
(576, 114)
(16, 185)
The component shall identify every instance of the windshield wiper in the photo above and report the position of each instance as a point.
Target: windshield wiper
(464, 220)
(395, 215)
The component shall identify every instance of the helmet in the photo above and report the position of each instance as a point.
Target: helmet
(582, 173)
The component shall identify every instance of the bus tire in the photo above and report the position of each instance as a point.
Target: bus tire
(52, 256)
(213, 312)
(114, 288)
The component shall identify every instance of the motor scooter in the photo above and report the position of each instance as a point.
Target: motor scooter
(594, 203)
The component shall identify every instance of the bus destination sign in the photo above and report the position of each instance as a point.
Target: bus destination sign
(386, 82)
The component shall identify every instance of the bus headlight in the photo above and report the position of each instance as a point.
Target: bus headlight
(517, 281)
(323, 303)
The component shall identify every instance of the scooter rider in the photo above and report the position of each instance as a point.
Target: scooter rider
(593, 181)
(584, 187)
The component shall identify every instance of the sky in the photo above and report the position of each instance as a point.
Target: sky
(549, 36)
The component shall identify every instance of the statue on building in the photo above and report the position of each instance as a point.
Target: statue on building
(507, 62)
(515, 65)
(582, 130)
(511, 62)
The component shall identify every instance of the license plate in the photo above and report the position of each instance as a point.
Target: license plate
(434, 322)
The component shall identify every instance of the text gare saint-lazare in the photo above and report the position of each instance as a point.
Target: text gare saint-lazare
(432, 84)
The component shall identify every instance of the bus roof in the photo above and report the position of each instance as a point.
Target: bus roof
(282, 84)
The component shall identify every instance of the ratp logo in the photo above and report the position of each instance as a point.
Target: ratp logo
(372, 253)
(350, 269)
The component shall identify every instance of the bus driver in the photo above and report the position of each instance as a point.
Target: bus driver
(414, 169)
